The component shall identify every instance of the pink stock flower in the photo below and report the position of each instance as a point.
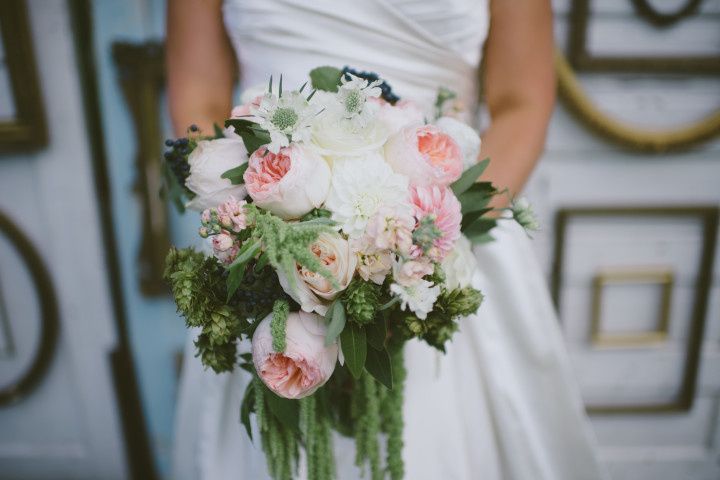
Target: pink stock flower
(289, 183)
(231, 214)
(225, 247)
(304, 366)
(438, 216)
(425, 154)
(409, 272)
(391, 229)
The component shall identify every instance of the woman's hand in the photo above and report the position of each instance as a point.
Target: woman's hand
(200, 64)
(519, 88)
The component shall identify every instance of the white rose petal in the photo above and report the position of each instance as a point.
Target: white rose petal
(459, 265)
(208, 161)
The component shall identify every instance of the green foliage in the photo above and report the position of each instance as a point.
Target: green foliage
(235, 175)
(354, 347)
(392, 418)
(281, 309)
(287, 244)
(252, 135)
(378, 365)
(336, 321)
(315, 427)
(197, 284)
(441, 322)
(325, 78)
(362, 301)
(469, 177)
(279, 437)
(366, 412)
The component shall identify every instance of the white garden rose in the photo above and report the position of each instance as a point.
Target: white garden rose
(208, 161)
(360, 186)
(465, 136)
(336, 136)
(313, 291)
(459, 265)
(288, 183)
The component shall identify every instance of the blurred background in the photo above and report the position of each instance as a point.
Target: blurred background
(627, 193)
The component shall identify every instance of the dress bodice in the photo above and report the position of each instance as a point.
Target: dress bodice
(416, 45)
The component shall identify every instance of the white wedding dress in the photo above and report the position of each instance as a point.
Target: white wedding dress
(503, 403)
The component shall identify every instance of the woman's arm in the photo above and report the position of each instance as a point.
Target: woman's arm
(200, 64)
(519, 88)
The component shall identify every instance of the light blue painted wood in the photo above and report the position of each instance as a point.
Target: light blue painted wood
(156, 331)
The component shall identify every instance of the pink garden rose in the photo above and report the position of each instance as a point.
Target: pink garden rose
(425, 154)
(289, 183)
(304, 366)
(313, 291)
(438, 216)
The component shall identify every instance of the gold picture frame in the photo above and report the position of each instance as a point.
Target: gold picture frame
(663, 277)
(708, 216)
(27, 130)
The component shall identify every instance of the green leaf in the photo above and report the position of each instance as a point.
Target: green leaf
(469, 177)
(285, 409)
(218, 131)
(477, 197)
(235, 175)
(354, 348)
(377, 333)
(236, 270)
(247, 406)
(378, 365)
(253, 136)
(336, 321)
(325, 78)
(477, 231)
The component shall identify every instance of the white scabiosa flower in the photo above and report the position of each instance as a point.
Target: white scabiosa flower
(353, 94)
(287, 118)
(523, 214)
(419, 297)
(359, 187)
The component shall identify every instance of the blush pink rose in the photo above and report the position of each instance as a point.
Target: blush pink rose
(425, 154)
(395, 117)
(437, 210)
(304, 366)
(289, 183)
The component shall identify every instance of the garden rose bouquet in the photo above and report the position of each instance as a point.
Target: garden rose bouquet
(339, 222)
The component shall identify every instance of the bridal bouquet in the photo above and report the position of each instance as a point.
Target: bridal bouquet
(339, 221)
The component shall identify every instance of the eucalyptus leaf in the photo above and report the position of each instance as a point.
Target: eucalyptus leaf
(336, 322)
(354, 348)
(325, 78)
(469, 177)
(379, 366)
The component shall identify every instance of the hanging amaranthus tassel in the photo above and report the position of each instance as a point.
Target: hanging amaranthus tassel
(278, 442)
(366, 411)
(393, 418)
(315, 427)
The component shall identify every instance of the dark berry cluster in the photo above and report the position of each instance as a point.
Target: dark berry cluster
(258, 292)
(176, 158)
(387, 93)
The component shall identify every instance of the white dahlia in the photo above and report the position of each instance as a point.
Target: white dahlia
(360, 186)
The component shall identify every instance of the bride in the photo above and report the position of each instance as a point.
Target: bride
(502, 404)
